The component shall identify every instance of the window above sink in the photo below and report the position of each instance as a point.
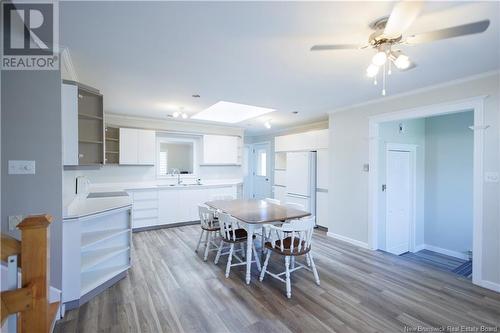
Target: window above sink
(176, 157)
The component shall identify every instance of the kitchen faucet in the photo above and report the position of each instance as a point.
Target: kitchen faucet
(176, 172)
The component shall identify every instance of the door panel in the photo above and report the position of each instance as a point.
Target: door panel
(128, 146)
(398, 200)
(297, 173)
(261, 170)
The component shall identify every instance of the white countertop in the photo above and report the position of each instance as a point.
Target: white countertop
(163, 185)
(82, 206)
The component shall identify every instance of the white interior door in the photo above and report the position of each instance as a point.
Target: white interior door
(261, 170)
(398, 201)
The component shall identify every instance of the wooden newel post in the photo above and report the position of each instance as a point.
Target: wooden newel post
(35, 267)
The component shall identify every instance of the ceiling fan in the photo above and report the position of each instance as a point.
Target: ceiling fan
(390, 32)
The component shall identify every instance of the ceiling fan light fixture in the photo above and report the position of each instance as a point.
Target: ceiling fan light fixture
(402, 62)
(379, 58)
(372, 70)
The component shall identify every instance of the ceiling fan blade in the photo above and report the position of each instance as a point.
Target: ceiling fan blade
(457, 31)
(402, 16)
(336, 47)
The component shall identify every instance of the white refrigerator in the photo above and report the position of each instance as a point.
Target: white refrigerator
(301, 179)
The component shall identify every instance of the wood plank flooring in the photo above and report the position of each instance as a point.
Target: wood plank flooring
(171, 289)
(434, 259)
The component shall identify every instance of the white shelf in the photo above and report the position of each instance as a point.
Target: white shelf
(93, 279)
(94, 237)
(92, 258)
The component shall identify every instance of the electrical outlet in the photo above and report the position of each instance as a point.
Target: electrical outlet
(491, 177)
(14, 220)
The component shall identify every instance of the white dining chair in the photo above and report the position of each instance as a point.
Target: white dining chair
(273, 201)
(293, 239)
(295, 205)
(209, 227)
(232, 234)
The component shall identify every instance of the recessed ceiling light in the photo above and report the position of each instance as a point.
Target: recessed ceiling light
(176, 114)
(228, 112)
(184, 116)
(267, 124)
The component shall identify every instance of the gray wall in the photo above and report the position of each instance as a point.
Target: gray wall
(449, 149)
(31, 130)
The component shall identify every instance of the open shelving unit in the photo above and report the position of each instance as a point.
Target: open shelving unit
(90, 126)
(112, 145)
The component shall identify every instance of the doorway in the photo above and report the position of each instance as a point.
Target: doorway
(261, 169)
(476, 105)
(400, 198)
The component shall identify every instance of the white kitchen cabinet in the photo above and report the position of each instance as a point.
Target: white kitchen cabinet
(137, 147)
(221, 150)
(279, 192)
(280, 177)
(190, 199)
(147, 146)
(322, 208)
(69, 103)
(82, 124)
(306, 141)
(169, 209)
(322, 168)
(96, 249)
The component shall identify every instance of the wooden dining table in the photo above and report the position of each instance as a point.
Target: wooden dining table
(253, 214)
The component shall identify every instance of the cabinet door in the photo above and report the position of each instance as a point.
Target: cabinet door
(322, 209)
(279, 193)
(168, 206)
(128, 146)
(322, 166)
(220, 149)
(69, 118)
(146, 147)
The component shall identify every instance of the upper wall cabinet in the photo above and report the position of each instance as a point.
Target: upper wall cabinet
(82, 124)
(221, 150)
(137, 146)
(305, 141)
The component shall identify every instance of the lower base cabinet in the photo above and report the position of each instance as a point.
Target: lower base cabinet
(96, 249)
(173, 205)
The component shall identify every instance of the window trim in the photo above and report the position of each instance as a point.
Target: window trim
(176, 139)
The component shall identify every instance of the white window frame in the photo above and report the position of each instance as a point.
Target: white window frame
(165, 138)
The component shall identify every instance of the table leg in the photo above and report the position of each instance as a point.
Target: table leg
(249, 256)
(263, 241)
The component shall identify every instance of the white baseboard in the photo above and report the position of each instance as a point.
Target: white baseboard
(419, 247)
(489, 285)
(447, 252)
(348, 240)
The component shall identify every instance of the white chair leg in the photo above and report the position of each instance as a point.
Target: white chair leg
(206, 239)
(219, 251)
(293, 262)
(308, 261)
(199, 240)
(287, 273)
(229, 259)
(207, 247)
(242, 247)
(256, 256)
(313, 266)
(263, 271)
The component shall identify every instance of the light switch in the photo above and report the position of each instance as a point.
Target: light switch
(21, 167)
(491, 177)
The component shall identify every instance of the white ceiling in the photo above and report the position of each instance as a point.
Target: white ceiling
(148, 58)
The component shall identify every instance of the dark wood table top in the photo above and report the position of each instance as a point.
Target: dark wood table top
(256, 211)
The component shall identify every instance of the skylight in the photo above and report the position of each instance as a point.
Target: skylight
(227, 112)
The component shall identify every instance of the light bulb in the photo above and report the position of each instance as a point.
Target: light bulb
(184, 116)
(379, 58)
(176, 114)
(267, 125)
(372, 70)
(402, 62)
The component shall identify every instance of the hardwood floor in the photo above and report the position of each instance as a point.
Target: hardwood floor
(171, 289)
(434, 259)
